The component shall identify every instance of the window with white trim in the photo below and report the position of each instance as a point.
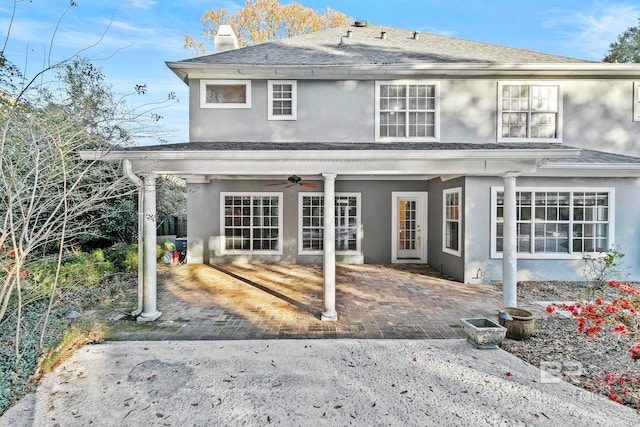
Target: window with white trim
(252, 222)
(311, 223)
(282, 98)
(556, 223)
(225, 94)
(529, 112)
(636, 101)
(407, 111)
(451, 228)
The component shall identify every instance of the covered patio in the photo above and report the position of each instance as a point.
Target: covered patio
(203, 163)
(260, 301)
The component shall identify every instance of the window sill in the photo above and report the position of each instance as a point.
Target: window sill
(546, 256)
(241, 252)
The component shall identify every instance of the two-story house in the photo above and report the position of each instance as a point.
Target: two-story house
(480, 160)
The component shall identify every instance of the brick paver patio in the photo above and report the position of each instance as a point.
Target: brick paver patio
(258, 301)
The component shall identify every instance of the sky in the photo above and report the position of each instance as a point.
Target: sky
(130, 40)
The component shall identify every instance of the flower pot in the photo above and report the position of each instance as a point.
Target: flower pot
(522, 325)
(483, 333)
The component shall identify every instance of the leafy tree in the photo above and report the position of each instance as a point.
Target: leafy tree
(260, 21)
(50, 200)
(171, 197)
(626, 49)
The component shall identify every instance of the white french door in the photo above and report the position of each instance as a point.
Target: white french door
(409, 237)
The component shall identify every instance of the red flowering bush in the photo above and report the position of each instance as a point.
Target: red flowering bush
(621, 318)
(621, 315)
(619, 387)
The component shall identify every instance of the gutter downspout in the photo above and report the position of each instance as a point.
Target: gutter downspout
(140, 185)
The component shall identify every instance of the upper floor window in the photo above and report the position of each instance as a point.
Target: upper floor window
(528, 112)
(556, 223)
(225, 94)
(282, 99)
(407, 111)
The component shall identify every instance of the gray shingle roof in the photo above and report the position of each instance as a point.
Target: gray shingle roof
(586, 158)
(592, 157)
(344, 146)
(367, 47)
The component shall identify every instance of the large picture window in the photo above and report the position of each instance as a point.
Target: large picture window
(406, 111)
(347, 220)
(556, 223)
(225, 94)
(252, 222)
(528, 112)
(451, 232)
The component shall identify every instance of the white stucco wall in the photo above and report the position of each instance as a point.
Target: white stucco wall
(597, 114)
(478, 229)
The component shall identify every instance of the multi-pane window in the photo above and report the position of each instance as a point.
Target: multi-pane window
(590, 222)
(252, 222)
(408, 212)
(282, 99)
(406, 110)
(558, 222)
(312, 222)
(529, 112)
(225, 94)
(636, 101)
(452, 217)
(347, 222)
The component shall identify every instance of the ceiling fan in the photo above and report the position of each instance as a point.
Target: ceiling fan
(294, 180)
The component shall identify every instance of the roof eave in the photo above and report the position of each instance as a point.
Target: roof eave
(341, 155)
(186, 70)
(558, 168)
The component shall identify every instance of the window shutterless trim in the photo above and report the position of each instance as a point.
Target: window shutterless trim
(571, 222)
(452, 216)
(528, 138)
(251, 225)
(406, 110)
(636, 101)
(293, 99)
(230, 83)
(302, 227)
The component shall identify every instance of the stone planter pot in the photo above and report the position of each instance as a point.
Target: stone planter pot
(522, 325)
(483, 333)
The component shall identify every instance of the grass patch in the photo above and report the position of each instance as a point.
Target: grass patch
(81, 331)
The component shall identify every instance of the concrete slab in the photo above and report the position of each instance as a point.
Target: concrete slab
(306, 382)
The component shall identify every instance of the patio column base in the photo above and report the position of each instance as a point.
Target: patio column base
(329, 316)
(148, 317)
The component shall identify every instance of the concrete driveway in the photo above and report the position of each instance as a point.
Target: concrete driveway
(237, 373)
(306, 383)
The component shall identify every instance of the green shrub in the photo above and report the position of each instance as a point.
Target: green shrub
(85, 279)
(123, 257)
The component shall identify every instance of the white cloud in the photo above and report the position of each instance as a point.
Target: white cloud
(142, 4)
(124, 33)
(435, 30)
(591, 30)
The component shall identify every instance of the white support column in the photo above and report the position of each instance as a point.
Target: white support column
(149, 309)
(329, 287)
(509, 245)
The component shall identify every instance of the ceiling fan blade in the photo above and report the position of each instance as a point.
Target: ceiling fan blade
(309, 184)
(277, 183)
(289, 185)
